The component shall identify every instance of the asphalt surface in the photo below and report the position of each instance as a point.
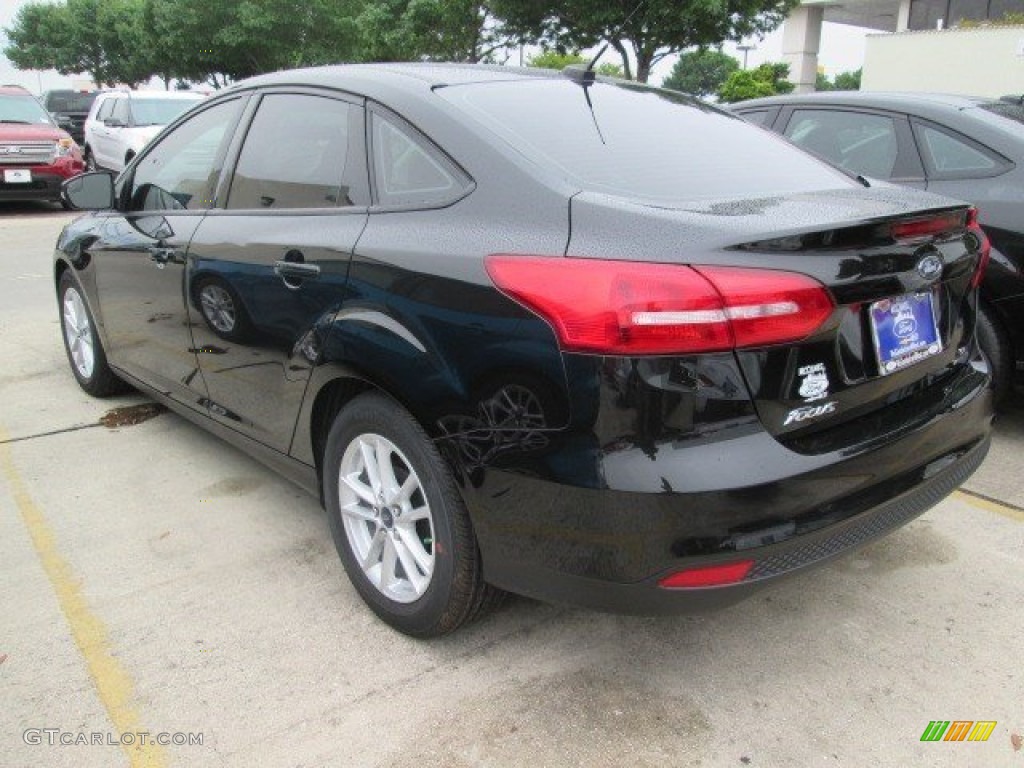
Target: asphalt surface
(154, 579)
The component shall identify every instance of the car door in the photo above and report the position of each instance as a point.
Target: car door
(99, 133)
(267, 269)
(110, 136)
(872, 143)
(140, 252)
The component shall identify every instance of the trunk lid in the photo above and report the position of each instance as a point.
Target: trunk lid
(905, 291)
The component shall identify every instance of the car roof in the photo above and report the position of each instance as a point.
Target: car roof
(894, 100)
(14, 90)
(412, 76)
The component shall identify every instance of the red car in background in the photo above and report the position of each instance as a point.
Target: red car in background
(36, 156)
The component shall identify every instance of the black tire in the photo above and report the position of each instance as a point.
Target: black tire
(996, 351)
(456, 592)
(98, 380)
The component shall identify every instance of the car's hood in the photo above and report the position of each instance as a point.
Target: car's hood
(30, 132)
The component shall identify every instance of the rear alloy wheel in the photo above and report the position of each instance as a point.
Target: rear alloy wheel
(398, 522)
(85, 352)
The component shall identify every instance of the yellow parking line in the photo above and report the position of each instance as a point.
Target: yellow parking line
(990, 505)
(112, 682)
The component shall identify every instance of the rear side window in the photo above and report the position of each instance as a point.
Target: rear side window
(407, 170)
(640, 142)
(294, 155)
(950, 156)
(860, 142)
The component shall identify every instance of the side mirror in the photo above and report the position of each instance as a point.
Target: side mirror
(89, 192)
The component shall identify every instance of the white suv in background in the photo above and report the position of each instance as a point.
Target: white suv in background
(121, 123)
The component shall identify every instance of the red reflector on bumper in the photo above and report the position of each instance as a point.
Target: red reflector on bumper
(709, 576)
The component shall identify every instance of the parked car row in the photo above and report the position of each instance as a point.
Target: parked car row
(737, 362)
(44, 142)
(967, 148)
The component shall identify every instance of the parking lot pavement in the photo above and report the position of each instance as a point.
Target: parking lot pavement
(154, 579)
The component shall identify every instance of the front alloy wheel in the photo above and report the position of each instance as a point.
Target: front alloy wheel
(81, 342)
(78, 333)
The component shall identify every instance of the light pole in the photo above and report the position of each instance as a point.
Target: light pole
(747, 48)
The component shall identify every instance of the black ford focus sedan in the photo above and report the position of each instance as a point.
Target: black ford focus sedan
(582, 340)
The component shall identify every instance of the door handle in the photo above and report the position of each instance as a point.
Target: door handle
(162, 256)
(295, 270)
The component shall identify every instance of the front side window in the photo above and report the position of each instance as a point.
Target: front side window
(181, 172)
(755, 117)
(407, 171)
(119, 112)
(106, 106)
(857, 141)
(294, 155)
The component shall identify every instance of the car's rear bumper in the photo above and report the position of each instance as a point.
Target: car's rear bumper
(608, 549)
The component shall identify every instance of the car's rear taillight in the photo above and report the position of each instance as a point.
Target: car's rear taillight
(640, 308)
(984, 246)
(927, 227)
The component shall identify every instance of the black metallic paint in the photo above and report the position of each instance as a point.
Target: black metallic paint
(634, 466)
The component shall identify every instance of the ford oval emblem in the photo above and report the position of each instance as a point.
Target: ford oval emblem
(929, 267)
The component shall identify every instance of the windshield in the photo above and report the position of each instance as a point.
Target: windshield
(1006, 109)
(22, 109)
(640, 142)
(159, 111)
(69, 101)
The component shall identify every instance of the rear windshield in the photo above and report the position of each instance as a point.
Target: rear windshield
(159, 111)
(1005, 109)
(22, 109)
(69, 101)
(641, 142)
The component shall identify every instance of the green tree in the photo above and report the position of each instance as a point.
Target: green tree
(641, 31)
(436, 30)
(847, 81)
(744, 84)
(100, 37)
(701, 72)
(768, 79)
(555, 60)
(822, 83)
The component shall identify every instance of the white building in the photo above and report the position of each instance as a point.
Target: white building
(925, 53)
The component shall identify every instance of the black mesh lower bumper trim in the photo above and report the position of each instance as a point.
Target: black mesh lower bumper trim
(879, 521)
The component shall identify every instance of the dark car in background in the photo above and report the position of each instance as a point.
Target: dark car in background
(968, 148)
(586, 341)
(69, 109)
(36, 156)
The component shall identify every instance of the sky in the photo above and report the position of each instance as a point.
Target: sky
(842, 50)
